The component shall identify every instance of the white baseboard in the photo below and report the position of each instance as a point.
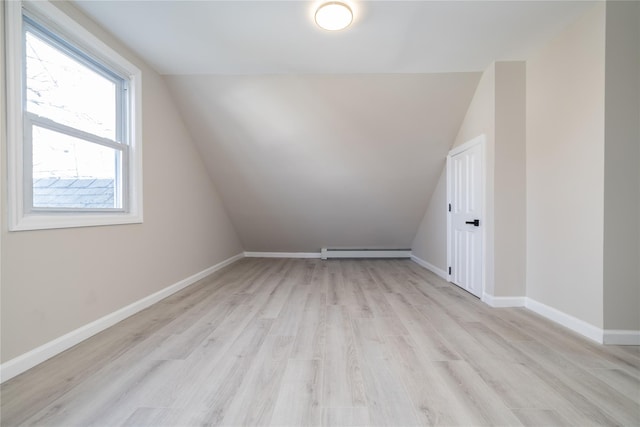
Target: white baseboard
(282, 254)
(503, 302)
(46, 351)
(621, 337)
(580, 326)
(430, 267)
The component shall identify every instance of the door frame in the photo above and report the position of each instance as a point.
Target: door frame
(478, 140)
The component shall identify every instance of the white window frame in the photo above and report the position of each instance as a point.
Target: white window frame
(73, 33)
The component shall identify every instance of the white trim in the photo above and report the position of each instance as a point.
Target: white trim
(502, 302)
(88, 219)
(46, 351)
(57, 20)
(448, 201)
(580, 326)
(621, 337)
(13, 77)
(469, 144)
(282, 254)
(439, 272)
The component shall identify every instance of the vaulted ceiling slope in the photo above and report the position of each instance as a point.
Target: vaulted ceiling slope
(322, 139)
(304, 162)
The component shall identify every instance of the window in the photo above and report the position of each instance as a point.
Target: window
(74, 140)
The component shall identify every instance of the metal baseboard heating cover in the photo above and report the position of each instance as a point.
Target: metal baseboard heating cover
(328, 253)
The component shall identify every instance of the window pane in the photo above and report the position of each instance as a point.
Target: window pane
(72, 173)
(64, 90)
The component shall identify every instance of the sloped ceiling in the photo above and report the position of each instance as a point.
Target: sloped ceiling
(304, 162)
(327, 139)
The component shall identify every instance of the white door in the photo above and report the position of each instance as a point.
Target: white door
(465, 182)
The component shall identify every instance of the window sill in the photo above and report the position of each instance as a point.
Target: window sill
(66, 220)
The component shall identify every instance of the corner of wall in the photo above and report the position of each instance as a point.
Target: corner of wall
(510, 179)
(621, 172)
(45, 292)
(430, 241)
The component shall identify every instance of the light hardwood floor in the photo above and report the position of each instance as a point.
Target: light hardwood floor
(311, 342)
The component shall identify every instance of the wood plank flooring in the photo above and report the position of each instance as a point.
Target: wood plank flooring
(343, 343)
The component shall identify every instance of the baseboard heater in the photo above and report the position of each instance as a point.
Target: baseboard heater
(328, 253)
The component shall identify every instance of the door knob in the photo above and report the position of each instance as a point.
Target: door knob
(475, 222)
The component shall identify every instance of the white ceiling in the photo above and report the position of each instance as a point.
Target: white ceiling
(274, 37)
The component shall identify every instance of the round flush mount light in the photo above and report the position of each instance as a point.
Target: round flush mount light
(334, 16)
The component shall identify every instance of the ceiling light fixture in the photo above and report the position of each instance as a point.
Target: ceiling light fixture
(334, 16)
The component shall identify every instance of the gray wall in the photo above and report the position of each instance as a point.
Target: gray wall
(510, 180)
(565, 170)
(622, 167)
(307, 161)
(54, 281)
